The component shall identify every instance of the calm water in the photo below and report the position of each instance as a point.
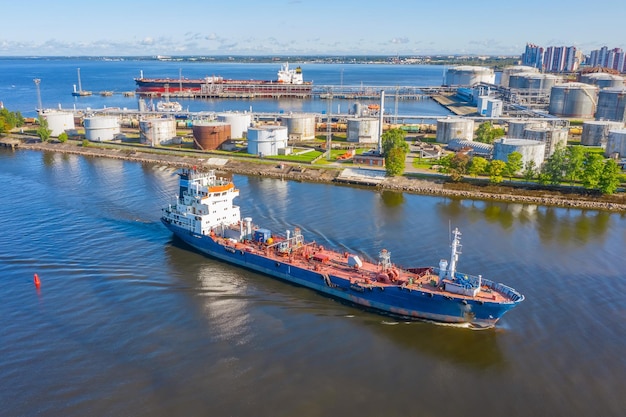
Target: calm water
(18, 91)
(130, 322)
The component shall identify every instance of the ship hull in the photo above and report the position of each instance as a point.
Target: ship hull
(394, 301)
(226, 88)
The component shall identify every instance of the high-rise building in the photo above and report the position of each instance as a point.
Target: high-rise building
(561, 59)
(533, 56)
(603, 57)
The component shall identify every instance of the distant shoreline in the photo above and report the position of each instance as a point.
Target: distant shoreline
(306, 173)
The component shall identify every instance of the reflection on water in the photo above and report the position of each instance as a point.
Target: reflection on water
(392, 198)
(554, 224)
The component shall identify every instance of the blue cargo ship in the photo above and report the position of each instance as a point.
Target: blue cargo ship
(203, 216)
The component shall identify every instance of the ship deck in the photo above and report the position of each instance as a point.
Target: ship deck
(329, 263)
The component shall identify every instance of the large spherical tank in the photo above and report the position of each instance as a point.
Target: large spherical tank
(267, 140)
(58, 121)
(596, 132)
(469, 75)
(573, 100)
(363, 130)
(552, 137)
(531, 150)
(616, 143)
(612, 104)
(603, 80)
(454, 128)
(238, 122)
(101, 128)
(210, 135)
(515, 69)
(157, 131)
(300, 126)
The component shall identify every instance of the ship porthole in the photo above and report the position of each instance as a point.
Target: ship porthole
(277, 263)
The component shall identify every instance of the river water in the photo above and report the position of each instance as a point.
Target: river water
(129, 321)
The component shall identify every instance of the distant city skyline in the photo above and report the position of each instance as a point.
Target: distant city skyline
(304, 27)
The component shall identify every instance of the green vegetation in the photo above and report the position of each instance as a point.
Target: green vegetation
(42, 131)
(395, 149)
(496, 169)
(10, 120)
(63, 137)
(513, 164)
(487, 132)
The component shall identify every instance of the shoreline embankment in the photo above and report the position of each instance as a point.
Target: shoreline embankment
(329, 175)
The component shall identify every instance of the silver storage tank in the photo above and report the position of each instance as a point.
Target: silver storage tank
(507, 72)
(552, 137)
(363, 130)
(612, 104)
(300, 126)
(157, 131)
(101, 128)
(58, 121)
(454, 128)
(238, 122)
(603, 79)
(573, 100)
(516, 128)
(531, 150)
(616, 143)
(266, 140)
(468, 75)
(596, 132)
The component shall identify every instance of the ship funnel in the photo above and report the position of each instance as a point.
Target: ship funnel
(248, 221)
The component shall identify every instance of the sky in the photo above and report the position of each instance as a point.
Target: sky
(306, 27)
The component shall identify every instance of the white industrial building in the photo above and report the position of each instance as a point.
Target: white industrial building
(267, 140)
(101, 128)
(454, 128)
(58, 121)
(469, 75)
(531, 150)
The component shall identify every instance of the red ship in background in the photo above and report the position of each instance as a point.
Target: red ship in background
(289, 83)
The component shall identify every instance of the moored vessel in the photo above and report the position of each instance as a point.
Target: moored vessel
(289, 83)
(203, 215)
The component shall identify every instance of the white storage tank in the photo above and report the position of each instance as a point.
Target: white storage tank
(612, 104)
(616, 143)
(300, 126)
(156, 132)
(469, 75)
(573, 100)
(238, 122)
(515, 69)
(363, 130)
(603, 80)
(58, 121)
(531, 150)
(553, 137)
(454, 128)
(101, 128)
(267, 140)
(516, 128)
(596, 132)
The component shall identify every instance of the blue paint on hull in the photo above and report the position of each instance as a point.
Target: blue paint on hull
(393, 300)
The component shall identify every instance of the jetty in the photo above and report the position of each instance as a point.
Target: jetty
(9, 143)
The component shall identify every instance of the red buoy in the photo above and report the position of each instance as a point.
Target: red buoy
(36, 281)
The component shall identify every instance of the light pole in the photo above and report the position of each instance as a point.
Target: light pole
(37, 82)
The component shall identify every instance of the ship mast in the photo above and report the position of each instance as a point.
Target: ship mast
(455, 252)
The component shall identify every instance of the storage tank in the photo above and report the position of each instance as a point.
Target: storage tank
(469, 75)
(300, 126)
(573, 100)
(612, 104)
(596, 132)
(363, 130)
(516, 128)
(101, 128)
(156, 132)
(267, 140)
(537, 82)
(553, 137)
(616, 143)
(531, 150)
(238, 122)
(209, 135)
(454, 128)
(603, 80)
(58, 121)
(515, 69)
